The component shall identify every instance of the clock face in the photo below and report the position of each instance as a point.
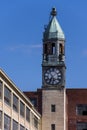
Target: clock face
(53, 76)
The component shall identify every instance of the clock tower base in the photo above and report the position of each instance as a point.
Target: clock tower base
(53, 109)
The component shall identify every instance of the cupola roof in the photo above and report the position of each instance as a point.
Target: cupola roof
(53, 29)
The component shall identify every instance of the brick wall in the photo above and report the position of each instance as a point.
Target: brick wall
(75, 97)
(38, 96)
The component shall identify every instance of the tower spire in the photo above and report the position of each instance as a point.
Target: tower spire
(53, 30)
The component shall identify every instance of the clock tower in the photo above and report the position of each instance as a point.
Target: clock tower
(53, 76)
(53, 63)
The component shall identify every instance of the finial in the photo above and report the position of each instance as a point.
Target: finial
(53, 12)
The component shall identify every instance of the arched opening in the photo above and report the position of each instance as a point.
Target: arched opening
(53, 48)
(61, 49)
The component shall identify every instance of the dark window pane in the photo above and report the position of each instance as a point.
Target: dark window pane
(35, 121)
(27, 114)
(7, 123)
(81, 109)
(7, 96)
(81, 126)
(53, 127)
(15, 125)
(15, 103)
(22, 109)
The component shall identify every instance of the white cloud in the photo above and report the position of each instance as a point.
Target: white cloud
(23, 47)
(36, 46)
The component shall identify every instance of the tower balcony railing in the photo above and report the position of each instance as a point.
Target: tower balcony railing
(53, 59)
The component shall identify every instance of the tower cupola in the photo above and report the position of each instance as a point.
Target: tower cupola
(53, 29)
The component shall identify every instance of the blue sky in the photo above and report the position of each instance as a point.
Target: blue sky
(21, 32)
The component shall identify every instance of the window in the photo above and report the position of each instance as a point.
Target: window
(7, 123)
(22, 109)
(0, 120)
(34, 101)
(53, 108)
(27, 114)
(35, 121)
(1, 85)
(7, 96)
(22, 127)
(15, 103)
(52, 126)
(81, 126)
(15, 125)
(81, 109)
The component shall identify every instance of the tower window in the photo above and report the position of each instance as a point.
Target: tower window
(53, 108)
(61, 49)
(52, 126)
(45, 48)
(53, 48)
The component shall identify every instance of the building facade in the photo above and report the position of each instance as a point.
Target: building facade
(52, 107)
(16, 111)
